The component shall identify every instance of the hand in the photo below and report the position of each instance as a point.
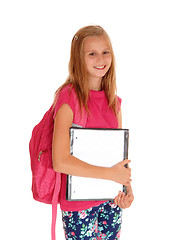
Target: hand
(124, 201)
(121, 174)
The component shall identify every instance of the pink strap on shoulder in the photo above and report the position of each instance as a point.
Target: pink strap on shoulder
(81, 120)
(54, 205)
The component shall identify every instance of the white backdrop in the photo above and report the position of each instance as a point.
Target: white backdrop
(34, 54)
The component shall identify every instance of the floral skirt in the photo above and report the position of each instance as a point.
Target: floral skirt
(101, 222)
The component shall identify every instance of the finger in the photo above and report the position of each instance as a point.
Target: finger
(127, 183)
(126, 161)
(119, 198)
(115, 200)
(122, 203)
(129, 170)
(128, 174)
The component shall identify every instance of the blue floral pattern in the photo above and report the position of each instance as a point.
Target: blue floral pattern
(96, 223)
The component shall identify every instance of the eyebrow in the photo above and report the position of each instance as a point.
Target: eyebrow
(96, 50)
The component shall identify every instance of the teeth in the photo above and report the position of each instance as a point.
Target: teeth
(100, 67)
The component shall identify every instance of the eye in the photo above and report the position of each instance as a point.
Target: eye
(92, 54)
(106, 52)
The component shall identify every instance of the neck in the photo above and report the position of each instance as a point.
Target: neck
(95, 84)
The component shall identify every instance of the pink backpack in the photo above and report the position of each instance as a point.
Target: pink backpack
(40, 146)
(46, 182)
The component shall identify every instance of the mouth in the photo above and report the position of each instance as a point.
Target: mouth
(100, 67)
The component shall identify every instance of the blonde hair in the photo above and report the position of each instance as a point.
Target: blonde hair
(78, 72)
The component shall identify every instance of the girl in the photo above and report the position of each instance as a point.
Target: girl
(91, 82)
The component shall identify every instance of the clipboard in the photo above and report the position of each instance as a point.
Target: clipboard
(99, 147)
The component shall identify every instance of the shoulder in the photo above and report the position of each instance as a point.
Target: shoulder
(118, 102)
(119, 99)
(65, 95)
(66, 91)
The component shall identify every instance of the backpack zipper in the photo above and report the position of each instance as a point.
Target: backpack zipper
(40, 153)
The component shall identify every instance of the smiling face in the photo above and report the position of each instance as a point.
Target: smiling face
(98, 58)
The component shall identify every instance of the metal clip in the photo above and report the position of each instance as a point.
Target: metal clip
(39, 157)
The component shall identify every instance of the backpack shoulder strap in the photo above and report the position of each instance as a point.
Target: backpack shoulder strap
(81, 120)
(54, 205)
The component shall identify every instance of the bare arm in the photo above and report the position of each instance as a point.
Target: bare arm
(64, 162)
(119, 118)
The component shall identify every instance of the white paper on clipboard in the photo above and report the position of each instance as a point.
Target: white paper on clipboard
(99, 147)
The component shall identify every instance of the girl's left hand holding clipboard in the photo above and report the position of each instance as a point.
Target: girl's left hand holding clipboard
(122, 200)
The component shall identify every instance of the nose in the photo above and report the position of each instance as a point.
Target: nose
(100, 58)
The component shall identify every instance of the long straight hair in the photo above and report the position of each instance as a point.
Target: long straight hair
(78, 71)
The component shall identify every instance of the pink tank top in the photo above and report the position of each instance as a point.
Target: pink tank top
(100, 117)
